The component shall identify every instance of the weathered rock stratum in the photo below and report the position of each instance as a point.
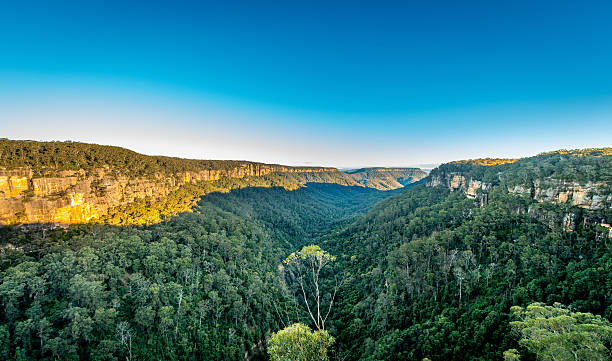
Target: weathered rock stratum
(556, 177)
(76, 197)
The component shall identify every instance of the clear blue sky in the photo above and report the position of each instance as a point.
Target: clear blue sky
(340, 83)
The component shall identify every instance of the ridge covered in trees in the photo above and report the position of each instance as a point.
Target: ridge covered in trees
(433, 274)
(581, 165)
(67, 155)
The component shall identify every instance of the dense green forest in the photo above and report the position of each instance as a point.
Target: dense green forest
(433, 274)
(412, 274)
(430, 274)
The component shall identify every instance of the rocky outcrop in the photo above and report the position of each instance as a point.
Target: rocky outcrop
(590, 195)
(571, 220)
(458, 182)
(14, 183)
(578, 177)
(606, 229)
(595, 196)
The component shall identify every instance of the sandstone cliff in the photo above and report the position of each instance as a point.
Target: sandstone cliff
(579, 178)
(589, 195)
(75, 197)
(67, 182)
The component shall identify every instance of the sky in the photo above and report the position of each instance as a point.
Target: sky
(331, 83)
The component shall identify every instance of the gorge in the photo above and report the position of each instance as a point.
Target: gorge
(175, 259)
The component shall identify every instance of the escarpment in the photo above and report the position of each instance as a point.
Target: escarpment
(68, 182)
(589, 195)
(79, 196)
(578, 178)
(574, 179)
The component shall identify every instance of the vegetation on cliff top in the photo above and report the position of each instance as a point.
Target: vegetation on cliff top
(58, 156)
(487, 162)
(586, 165)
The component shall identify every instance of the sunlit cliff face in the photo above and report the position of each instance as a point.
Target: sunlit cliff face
(77, 196)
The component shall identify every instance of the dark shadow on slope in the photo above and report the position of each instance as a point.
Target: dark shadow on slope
(303, 214)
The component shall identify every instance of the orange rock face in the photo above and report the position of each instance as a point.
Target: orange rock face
(76, 196)
(13, 186)
(72, 197)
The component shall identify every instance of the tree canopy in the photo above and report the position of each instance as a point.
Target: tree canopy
(298, 342)
(304, 268)
(554, 333)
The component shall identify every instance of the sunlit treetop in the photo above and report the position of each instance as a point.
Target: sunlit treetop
(312, 252)
(486, 161)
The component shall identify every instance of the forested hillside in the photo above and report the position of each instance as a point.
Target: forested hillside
(386, 178)
(430, 274)
(433, 273)
(49, 158)
(201, 286)
(464, 267)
